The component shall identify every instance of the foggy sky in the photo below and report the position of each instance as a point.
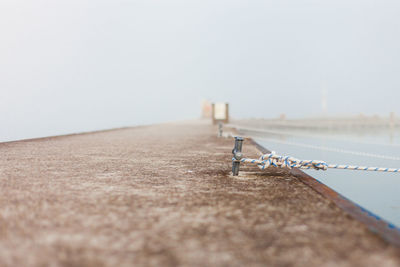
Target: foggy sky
(70, 66)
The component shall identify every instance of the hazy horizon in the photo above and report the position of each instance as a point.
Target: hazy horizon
(74, 66)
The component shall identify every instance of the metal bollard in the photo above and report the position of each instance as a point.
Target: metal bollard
(237, 155)
(220, 129)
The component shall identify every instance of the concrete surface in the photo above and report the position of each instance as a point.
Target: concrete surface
(162, 195)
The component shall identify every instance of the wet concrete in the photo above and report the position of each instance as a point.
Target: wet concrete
(162, 195)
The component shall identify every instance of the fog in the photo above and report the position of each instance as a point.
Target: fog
(70, 66)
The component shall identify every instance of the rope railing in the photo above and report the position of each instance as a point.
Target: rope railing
(288, 162)
(274, 160)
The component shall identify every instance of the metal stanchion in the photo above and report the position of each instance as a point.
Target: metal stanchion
(220, 129)
(237, 155)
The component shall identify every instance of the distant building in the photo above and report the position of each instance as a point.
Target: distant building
(220, 112)
(206, 109)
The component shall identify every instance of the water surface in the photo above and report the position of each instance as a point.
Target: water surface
(375, 191)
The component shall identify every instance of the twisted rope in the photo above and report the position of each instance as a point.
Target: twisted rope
(268, 160)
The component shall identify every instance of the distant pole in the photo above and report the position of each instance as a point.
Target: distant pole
(220, 129)
(392, 119)
(226, 112)
(213, 113)
(324, 101)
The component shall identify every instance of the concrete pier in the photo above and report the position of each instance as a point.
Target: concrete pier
(163, 195)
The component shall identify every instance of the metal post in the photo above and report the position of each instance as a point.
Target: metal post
(213, 113)
(237, 155)
(226, 113)
(220, 125)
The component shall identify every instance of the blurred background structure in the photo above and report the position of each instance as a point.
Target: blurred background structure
(72, 66)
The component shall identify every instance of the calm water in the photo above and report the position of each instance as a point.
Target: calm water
(378, 192)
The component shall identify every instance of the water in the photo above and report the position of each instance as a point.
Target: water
(375, 191)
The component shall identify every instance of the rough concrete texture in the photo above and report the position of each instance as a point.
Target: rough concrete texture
(163, 196)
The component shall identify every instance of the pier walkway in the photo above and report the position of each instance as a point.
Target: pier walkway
(162, 195)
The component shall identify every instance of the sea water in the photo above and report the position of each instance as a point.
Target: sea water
(376, 191)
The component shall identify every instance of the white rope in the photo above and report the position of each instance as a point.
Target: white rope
(288, 162)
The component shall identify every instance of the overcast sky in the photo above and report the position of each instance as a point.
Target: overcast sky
(78, 65)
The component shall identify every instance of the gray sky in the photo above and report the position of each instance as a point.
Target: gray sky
(70, 66)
